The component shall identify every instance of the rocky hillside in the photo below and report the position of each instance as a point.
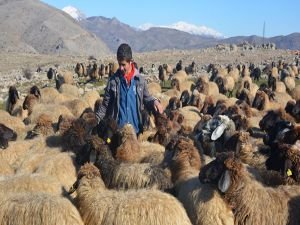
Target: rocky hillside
(30, 26)
(113, 32)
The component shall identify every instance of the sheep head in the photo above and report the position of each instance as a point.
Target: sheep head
(185, 98)
(291, 159)
(89, 171)
(208, 105)
(272, 83)
(220, 109)
(75, 138)
(296, 111)
(6, 134)
(213, 171)
(185, 157)
(202, 86)
(241, 122)
(245, 108)
(174, 103)
(176, 116)
(244, 137)
(13, 95)
(101, 149)
(271, 118)
(35, 91)
(43, 126)
(175, 84)
(90, 118)
(225, 171)
(259, 101)
(246, 85)
(221, 85)
(97, 105)
(290, 106)
(128, 132)
(244, 96)
(29, 101)
(145, 120)
(162, 123)
(292, 163)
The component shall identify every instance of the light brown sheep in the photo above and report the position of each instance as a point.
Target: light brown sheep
(91, 97)
(295, 93)
(202, 202)
(37, 208)
(30, 183)
(131, 150)
(98, 205)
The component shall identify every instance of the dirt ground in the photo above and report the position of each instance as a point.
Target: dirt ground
(12, 66)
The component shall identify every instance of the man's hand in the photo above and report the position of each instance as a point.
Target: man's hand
(158, 107)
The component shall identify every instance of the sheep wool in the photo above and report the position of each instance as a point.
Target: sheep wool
(37, 208)
(98, 205)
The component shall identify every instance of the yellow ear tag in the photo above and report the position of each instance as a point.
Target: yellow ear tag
(289, 172)
(108, 140)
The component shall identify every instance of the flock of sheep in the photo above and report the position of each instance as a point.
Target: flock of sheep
(225, 150)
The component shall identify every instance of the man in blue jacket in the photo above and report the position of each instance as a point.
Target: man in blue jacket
(126, 94)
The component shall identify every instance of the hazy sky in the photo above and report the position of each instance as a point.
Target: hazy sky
(228, 17)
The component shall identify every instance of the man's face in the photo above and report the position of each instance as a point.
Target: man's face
(124, 66)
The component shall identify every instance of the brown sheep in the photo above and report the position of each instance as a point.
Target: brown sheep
(262, 102)
(13, 97)
(14, 104)
(6, 134)
(251, 202)
(202, 202)
(43, 127)
(29, 102)
(166, 129)
(248, 152)
(131, 150)
(292, 162)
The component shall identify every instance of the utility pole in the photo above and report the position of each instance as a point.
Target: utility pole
(264, 29)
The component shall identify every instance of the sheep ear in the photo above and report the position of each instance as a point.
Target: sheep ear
(224, 182)
(218, 132)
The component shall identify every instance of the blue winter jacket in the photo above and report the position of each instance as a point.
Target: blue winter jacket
(111, 100)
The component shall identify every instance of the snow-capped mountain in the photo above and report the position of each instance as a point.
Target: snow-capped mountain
(75, 13)
(186, 27)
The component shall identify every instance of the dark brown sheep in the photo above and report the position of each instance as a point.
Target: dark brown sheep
(6, 134)
(35, 91)
(29, 102)
(13, 97)
(165, 130)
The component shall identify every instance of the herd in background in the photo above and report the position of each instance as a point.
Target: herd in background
(225, 151)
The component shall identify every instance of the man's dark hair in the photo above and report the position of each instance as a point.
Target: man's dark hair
(124, 52)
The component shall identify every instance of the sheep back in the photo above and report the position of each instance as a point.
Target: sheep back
(37, 208)
(132, 207)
